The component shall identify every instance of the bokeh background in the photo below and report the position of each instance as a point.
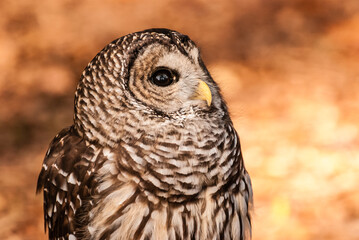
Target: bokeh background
(289, 71)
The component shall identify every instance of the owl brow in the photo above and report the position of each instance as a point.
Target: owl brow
(134, 53)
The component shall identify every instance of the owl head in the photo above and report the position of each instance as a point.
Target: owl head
(146, 81)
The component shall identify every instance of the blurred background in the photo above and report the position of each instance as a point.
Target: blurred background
(289, 71)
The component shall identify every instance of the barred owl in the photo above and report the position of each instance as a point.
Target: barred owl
(152, 153)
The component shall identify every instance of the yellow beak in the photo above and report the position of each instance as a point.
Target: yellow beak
(203, 93)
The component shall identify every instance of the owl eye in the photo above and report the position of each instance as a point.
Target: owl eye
(163, 77)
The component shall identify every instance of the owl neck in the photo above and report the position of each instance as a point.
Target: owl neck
(173, 158)
(179, 164)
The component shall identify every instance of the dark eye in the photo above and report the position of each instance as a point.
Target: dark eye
(163, 77)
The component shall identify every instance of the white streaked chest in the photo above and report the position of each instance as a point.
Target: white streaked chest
(129, 215)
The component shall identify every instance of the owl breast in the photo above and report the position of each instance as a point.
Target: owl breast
(127, 214)
(154, 190)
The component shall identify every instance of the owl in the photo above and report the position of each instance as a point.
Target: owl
(152, 152)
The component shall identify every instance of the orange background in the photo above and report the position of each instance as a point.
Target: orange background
(289, 71)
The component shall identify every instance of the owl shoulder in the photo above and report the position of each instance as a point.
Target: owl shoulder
(66, 179)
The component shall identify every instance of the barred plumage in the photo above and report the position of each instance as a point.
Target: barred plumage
(152, 153)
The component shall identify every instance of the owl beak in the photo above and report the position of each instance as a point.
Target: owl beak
(203, 93)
